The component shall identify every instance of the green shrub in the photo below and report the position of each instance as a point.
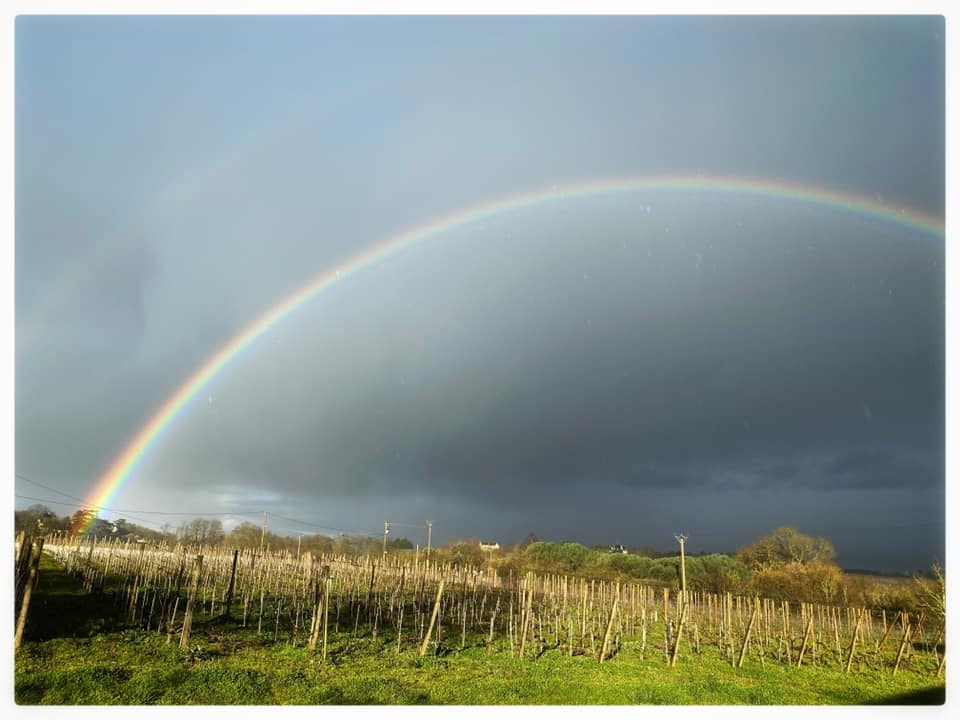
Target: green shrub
(632, 565)
(556, 557)
(721, 574)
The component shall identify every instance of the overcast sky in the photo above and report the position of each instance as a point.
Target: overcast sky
(601, 369)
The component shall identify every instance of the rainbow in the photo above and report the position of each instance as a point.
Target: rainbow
(136, 449)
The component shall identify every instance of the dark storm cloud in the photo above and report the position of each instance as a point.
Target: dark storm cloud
(780, 470)
(884, 467)
(859, 461)
(613, 368)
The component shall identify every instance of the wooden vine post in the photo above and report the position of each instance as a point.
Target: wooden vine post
(606, 636)
(746, 637)
(188, 613)
(525, 621)
(887, 629)
(806, 637)
(676, 642)
(233, 576)
(433, 619)
(903, 645)
(36, 551)
(326, 609)
(853, 642)
(315, 627)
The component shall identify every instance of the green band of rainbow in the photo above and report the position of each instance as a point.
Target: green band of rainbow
(136, 449)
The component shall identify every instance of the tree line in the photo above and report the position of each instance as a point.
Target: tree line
(784, 564)
(40, 520)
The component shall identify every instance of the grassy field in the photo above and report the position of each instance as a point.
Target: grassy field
(77, 651)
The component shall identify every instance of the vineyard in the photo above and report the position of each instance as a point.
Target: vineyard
(415, 607)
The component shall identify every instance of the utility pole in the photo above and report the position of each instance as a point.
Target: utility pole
(263, 531)
(429, 533)
(386, 531)
(681, 538)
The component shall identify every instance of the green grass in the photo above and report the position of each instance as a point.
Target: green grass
(75, 658)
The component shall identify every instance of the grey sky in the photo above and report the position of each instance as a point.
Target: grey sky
(610, 369)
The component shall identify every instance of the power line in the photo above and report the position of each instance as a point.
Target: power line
(144, 512)
(102, 508)
(234, 515)
(322, 527)
(56, 502)
(154, 512)
(231, 514)
(194, 513)
(47, 487)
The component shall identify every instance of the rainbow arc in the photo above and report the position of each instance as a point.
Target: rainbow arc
(138, 446)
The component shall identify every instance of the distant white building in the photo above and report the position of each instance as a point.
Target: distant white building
(488, 546)
(618, 550)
